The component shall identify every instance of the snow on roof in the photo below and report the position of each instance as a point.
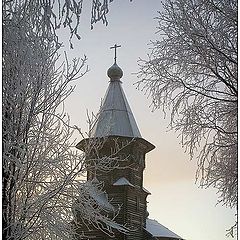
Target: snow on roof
(99, 196)
(145, 190)
(158, 230)
(123, 181)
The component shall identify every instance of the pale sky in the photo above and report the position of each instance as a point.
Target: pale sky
(176, 201)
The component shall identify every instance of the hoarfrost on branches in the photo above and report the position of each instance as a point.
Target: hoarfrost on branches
(41, 170)
(192, 71)
(94, 208)
(40, 167)
(49, 16)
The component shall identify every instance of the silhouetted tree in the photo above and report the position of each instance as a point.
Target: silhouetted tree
(192, 70)
(41, 172)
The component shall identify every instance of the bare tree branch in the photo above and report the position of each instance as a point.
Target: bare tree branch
(192, 71)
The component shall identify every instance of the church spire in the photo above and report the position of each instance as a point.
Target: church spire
(115, 117)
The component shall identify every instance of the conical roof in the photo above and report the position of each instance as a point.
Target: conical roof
(115, 117)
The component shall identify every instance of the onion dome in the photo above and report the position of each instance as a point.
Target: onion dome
(115, 72)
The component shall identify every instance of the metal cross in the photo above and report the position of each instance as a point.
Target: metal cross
(115, 47)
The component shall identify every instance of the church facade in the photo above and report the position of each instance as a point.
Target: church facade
(117, 129)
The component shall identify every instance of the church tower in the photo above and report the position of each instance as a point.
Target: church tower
(121, 139)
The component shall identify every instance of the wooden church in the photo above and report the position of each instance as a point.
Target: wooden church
(118, 132)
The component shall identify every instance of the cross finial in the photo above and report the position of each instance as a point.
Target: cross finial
(115, 47)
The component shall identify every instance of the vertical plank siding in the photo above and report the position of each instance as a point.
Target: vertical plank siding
(131, 199)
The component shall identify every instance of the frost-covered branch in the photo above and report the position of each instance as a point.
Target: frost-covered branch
(192, 71)
(42, 172)
(49, 16)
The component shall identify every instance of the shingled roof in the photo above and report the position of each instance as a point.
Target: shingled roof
(115, 117)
